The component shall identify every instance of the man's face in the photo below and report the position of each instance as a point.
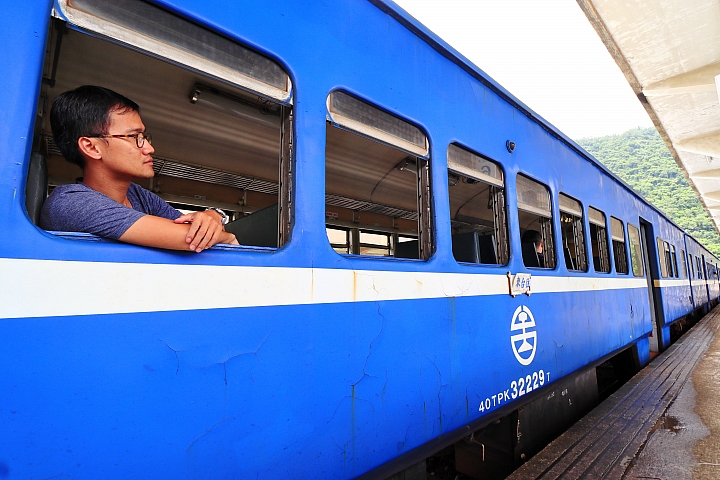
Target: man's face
(122, 156)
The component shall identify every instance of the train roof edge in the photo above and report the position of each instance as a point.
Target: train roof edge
(411, 23)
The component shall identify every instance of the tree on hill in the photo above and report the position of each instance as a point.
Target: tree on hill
(641, 159)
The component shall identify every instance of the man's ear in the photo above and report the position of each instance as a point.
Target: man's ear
(88, 148)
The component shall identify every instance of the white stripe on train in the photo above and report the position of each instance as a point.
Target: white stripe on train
(41, 288)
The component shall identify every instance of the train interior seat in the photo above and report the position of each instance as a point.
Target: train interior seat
(409, 249)
(530, 257)
(465, 247)
(488, 253)
(569, 262)
(36, 186)
(259, 229)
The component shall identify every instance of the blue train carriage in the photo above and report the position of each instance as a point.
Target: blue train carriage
(668, 285)
(703, 272)
(387, 299)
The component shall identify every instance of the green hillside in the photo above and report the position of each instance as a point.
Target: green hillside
(642, 160)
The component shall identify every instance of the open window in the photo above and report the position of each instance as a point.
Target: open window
(674, 261)
(618, 241)
(535, 221)
(683, 271)
(573, 240)
(692, 265)
(377, 187)
(636, 257)
(664, 254)
(598, 240)
(477, 208)
(220, 113)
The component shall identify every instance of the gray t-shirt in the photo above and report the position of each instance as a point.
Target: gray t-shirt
(78, 208)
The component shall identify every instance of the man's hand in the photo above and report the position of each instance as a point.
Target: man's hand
(194, 232)
(206, 230)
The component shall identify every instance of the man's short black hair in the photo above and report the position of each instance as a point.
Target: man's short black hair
(82, 112)
(531, 236)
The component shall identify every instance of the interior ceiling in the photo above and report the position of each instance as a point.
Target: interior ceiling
(360, 168)
(669, 51)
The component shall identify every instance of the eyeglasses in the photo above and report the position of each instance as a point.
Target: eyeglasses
(140, 138)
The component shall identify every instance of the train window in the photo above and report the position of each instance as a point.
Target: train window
(683, 271)
(699, 268)
(636, 258)
(663, 254)
(477, 208)
(668, 259)
(535, 220)
(617, 232)
(598, 239)
(377, 181)
(374, 244)
(573, 240)
(219, 112)
(339, 239)
(676, 274)
(692, 265)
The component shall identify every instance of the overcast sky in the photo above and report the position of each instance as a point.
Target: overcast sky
(546, 53)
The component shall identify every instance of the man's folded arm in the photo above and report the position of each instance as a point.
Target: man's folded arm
(152, 231)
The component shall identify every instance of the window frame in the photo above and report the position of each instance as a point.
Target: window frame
(546, 226)
(662, 256)
(684, 264)
(420, 155)
(576, 216)
(673, 255)
(636, 261)
(497, 196)
(622, 247)
(601, 237)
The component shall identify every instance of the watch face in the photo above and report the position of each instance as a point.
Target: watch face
(225, 217)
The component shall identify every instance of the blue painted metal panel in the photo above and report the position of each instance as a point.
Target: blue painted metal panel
(324, 391)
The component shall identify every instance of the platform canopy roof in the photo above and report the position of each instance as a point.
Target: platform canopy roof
(669, 51)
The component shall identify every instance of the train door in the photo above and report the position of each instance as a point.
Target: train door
(652, 276)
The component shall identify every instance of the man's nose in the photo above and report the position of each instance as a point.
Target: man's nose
(148, 149)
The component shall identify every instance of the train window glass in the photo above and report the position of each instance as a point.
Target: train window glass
(699, 268)
(477, 208)
(668, 259)
(535, 220)
(598, 239)
(618, 241)
(692, 265)
(152, 29)
(636, 258)
(573, 240)
(216, 145)
(662, 257)
(683, 271)
(374, 244)
(676, 274)
(377, 183)
(339, 239)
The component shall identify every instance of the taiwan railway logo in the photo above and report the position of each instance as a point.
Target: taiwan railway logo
(524, 343)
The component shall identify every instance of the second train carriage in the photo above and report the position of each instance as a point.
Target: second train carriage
(382, 304)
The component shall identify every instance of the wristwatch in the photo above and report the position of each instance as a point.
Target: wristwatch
(225, 218)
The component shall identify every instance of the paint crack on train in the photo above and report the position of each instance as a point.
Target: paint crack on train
(424, 265)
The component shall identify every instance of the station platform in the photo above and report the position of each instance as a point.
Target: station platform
(662, 424)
